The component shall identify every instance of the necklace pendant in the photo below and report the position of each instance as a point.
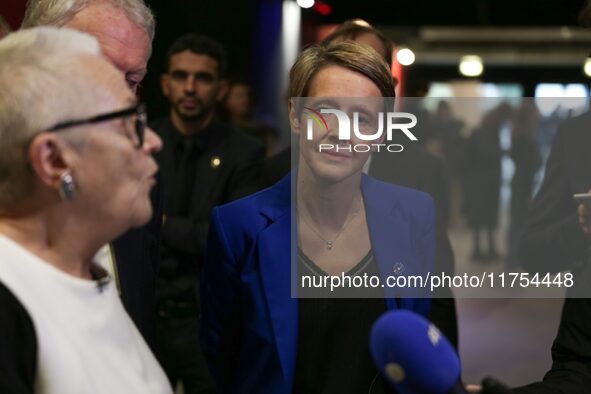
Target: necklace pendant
(329, 245)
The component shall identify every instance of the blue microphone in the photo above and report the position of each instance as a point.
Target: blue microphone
(414, 355)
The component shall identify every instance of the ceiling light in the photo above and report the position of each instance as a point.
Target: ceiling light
(587, 67)
(471, 66)
(405, 56)
(306, 3)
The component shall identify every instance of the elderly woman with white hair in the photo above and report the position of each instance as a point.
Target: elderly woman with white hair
(76, 170)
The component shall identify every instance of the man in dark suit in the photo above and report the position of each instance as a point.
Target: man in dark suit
(555, 240)
(204, 163)
(132, 259)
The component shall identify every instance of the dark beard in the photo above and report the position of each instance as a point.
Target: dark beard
(199, 115)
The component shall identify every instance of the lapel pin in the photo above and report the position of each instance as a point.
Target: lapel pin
(215, 162)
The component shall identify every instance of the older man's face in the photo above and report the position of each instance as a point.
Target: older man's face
(124, 43)
(113, 176)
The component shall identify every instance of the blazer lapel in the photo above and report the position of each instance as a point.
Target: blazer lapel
(276, 252)
(389, 243)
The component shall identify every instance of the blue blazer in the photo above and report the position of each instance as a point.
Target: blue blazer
(249, 329)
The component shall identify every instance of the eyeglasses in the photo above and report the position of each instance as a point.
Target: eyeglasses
(141, 121)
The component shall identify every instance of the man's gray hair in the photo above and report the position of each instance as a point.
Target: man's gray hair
(44, 79)
(60, 12)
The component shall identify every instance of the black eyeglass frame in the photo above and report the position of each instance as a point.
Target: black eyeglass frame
(140, 122)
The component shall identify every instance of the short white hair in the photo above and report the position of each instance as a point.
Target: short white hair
(60, 12)
(44, 80)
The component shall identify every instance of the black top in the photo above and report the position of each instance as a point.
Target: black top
(191, 158)
(18, 346)
(333, 349)
(187, 151)
(209, 168)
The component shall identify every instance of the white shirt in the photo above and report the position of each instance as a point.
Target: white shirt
(86, 342)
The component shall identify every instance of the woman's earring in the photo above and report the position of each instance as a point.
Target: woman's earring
(67, 187)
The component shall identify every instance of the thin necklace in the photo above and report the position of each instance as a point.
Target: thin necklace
(329, 243)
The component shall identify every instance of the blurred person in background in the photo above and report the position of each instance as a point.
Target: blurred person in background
(450, 129)
(363, 33)
(237, 108)
(449, 133)
(77, 169)
(453, 147)
(483, 182)
(125, 30)
(526, 158)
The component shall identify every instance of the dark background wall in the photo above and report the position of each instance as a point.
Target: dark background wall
(249, 30)
(233, 23)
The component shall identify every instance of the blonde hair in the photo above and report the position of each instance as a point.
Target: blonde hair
(346, 54)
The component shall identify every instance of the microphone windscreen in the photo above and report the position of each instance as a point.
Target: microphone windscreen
(413, 354)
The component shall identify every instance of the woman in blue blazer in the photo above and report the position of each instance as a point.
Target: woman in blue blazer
(262, 332)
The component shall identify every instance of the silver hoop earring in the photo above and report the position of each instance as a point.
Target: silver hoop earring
(67, 188)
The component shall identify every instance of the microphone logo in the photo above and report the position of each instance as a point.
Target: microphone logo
(434, 334)
(395, 372)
